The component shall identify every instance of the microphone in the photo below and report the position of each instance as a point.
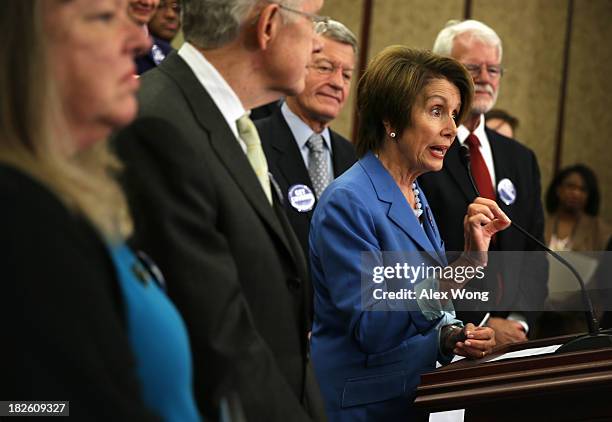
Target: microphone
(594, 339)
(464, 155)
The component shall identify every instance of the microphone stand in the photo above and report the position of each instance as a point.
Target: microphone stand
(595, 339)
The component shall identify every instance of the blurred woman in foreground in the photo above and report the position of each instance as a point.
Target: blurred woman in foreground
(84, 321)
(368, 363)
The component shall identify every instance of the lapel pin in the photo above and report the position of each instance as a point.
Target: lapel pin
(506, 191)
(301, 198)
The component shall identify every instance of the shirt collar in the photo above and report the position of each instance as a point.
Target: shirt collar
(219, 90)
(300, 130)
(463, 132)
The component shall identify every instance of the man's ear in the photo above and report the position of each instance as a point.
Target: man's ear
(268, 25)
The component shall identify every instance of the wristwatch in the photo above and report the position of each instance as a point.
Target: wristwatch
(449, 336)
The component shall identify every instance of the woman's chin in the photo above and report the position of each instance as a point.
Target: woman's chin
(435, 166)
(124, 115)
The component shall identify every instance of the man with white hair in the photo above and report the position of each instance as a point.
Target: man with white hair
(503, 170)
(205, 210)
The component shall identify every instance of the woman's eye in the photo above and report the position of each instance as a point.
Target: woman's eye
(436, 111)
(105, 17)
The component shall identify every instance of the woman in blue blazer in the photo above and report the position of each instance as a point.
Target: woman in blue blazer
(368, 362)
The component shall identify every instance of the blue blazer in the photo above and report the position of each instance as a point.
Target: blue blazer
(368, 363)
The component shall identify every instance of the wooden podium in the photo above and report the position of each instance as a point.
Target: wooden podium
(553, 387)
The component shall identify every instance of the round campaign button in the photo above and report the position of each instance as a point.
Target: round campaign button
(506, 191)
(301, 198)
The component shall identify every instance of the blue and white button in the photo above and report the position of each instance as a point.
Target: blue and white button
(506, 191)
(301, 198)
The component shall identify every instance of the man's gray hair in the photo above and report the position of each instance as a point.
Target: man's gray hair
(477, 30)
(211, 24)
(336, 31)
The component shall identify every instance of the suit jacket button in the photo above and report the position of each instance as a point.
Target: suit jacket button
(294, 283)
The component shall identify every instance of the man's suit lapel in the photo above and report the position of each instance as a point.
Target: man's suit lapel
(458, 172)
(223, 141)
(399, 210)
(341, 161)
(501, 158)
(287, 156)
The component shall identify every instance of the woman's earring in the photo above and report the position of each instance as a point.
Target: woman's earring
(392, 134)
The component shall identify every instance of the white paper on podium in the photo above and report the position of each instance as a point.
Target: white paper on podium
(448, 416)
(455, 359)
(535, 351)
(458, 414)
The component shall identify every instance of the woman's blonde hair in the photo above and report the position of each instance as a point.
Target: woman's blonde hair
(31, 119)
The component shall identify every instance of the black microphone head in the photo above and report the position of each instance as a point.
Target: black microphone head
(464, 154)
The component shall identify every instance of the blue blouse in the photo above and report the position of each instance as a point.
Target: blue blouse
(159, 340)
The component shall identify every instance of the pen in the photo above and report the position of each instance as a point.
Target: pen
(485, 319)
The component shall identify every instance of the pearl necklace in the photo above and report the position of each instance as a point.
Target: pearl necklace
(418, 210)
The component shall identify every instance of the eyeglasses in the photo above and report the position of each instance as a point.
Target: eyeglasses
(494, 72)
(327, 68)
(319, 23)
(174, 5)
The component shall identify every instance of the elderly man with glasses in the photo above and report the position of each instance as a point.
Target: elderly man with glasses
(503, 170)
(303, 153)
(197, 180)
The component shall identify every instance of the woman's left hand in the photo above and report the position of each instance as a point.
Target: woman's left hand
(483, 219)
(479, 343)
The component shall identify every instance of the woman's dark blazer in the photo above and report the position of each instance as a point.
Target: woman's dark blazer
(63, 332)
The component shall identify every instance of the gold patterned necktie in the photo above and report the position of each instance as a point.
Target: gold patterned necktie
(248, 133)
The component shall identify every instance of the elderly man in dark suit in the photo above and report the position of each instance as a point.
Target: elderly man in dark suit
(197, 181)
(303, 153)
(504, 170)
